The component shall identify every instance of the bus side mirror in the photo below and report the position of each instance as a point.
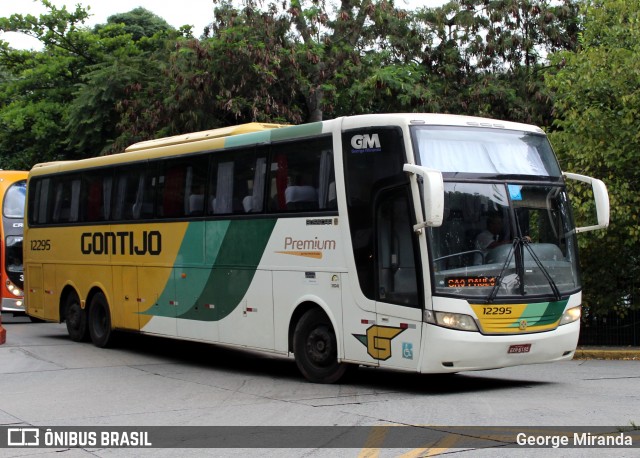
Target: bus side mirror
(600, 195)
(432, 195)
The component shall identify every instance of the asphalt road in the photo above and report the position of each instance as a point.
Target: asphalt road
(49, 381)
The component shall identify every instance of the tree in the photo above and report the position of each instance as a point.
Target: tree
(312, 52)
(486, 58)
(39, 86)
(59, 103)
(283, 63)
(138, 23)
(132, 49)
(597, 104)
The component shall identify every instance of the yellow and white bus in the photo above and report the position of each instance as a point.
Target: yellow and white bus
(353, 241)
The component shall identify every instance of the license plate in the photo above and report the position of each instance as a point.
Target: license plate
(524, 348)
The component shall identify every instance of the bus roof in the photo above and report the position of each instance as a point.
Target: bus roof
(434, 119)
(178, 144)
(12, 175)
(252, 133)
(203, 135)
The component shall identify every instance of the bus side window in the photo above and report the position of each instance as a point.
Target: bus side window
(236, 183)
(95, 197)
(222, 186)
(66, 200)
(134, 192)
(95, 210)
(253, 202)
(327, 198)
(118, 212)
(143, 207)
(39, 192)
(195, 186)
(171, 191)
(301, 176)
(181, 187)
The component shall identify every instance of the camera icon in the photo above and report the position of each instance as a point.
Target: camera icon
(23, 437)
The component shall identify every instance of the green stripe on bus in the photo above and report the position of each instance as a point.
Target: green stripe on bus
(552, 311)
(248, 139)
(285, 133)
(233, 269)
(233, 253)
(303, 130)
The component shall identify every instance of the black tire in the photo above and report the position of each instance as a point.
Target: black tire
(76, 319)
(316, 350)
(100, 321)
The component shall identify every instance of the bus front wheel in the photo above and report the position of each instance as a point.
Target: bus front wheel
(76, 319)
(316, 350)
(99, 321)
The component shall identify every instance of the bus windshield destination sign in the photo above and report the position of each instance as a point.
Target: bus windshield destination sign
(471, 282)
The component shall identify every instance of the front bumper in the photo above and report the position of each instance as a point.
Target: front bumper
(11, 305)
(447, 350)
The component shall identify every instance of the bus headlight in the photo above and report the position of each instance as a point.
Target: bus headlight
(571, 315)
(451, 320)
(13, 289)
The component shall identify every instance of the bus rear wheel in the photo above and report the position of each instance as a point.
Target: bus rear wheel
(316, 350)
(100, 321)
(76, 319)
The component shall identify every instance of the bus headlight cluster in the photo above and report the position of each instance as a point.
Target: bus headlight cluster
(451, 320)
(13, 289)
(571, 315)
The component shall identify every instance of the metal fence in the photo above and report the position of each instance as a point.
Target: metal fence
(611, 330)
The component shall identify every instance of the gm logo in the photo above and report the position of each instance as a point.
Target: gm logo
(366, 143)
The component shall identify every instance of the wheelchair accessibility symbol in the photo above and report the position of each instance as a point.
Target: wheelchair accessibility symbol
(407, 350)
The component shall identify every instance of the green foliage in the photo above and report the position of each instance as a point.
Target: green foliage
(38, 89)
(60, 102)
(597, 104)
(138, 23)
(487, 58)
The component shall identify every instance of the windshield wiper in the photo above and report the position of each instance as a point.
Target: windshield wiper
(552, 283)
(518, 244)
(494, 292)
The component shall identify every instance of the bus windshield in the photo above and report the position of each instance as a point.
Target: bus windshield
(504, 235)
(488, 152)
(13, 208)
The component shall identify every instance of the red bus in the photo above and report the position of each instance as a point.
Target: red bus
(13, 188)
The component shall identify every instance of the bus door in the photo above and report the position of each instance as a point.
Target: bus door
(384, 324)
(50, 297)
(126, 296)
(398, 291)
(35, 294)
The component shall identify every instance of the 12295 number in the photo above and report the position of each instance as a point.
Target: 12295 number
(40, 245)
(496, 310)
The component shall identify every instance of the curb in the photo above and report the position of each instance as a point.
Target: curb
(611, 353)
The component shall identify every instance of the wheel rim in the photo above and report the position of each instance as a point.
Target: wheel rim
(319, 346)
